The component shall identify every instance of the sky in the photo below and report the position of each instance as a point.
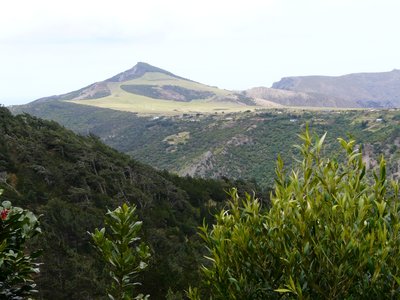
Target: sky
(50, 47)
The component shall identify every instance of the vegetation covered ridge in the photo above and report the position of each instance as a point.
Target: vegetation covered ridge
(330, 231)
(71, 180)
(238, 145)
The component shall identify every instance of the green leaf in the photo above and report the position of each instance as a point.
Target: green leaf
(113, 243)
(282, 290)
(6, 204)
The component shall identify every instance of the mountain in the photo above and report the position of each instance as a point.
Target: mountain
(378, 90)
(149, 90)
(71, 180)
(146, 89)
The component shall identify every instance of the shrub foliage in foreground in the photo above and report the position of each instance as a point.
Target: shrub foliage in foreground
(17, 267)
(120, 248)
(332, 232)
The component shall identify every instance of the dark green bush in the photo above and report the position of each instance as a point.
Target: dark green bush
(332, 232)
(118, 244)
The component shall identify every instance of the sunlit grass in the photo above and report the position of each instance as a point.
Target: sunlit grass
(149, 106)
(125, 101)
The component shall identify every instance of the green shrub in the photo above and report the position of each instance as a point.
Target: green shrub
(332, 232)
(120, 248)
(17, 267)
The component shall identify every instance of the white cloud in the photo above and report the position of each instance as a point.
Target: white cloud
(122, 19)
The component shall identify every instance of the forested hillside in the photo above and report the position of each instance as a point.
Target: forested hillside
(70, 180)
(242, 145)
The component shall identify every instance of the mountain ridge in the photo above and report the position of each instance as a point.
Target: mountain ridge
(146, 89)
(149, 90)
(368, 89)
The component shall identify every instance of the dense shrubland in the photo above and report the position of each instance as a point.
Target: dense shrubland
(332, 232)
(240, 145)
(72, 180)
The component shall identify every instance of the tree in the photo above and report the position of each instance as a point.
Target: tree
(120, 248)
(17, 267)
(332, 232)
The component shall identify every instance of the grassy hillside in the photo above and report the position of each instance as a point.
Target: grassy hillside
(148, 90)
(159, 93)
(72, 179)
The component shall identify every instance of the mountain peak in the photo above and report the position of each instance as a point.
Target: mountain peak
(137, 71)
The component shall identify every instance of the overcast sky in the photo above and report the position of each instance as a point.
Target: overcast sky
(52, 47)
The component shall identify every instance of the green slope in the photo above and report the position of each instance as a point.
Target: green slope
(242, 145)
(72, 179)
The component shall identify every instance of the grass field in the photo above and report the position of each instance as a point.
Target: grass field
(148, 106)
(153, 78)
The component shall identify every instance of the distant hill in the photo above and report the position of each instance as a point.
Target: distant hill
(146, 89)
(378, 90)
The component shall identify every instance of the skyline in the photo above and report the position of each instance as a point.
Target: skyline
(53, 48)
